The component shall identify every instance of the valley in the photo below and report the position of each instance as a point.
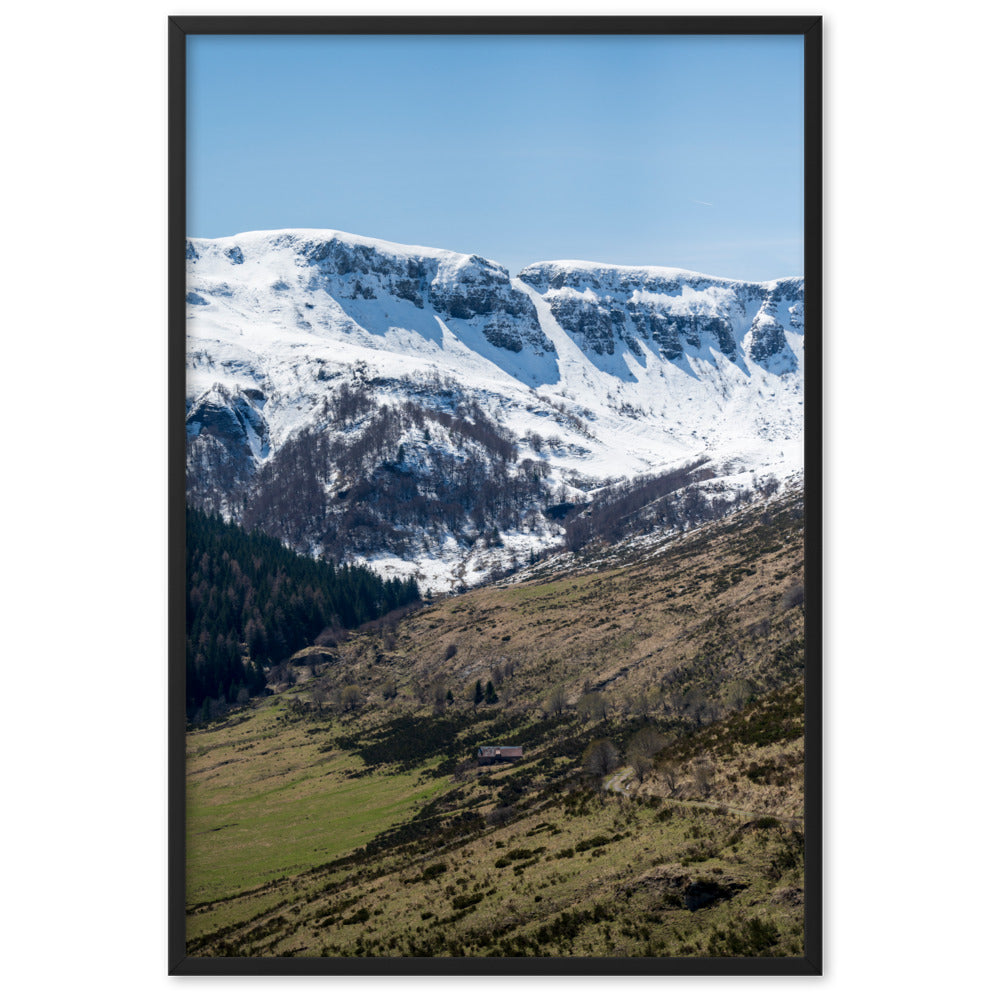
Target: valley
(656, 687)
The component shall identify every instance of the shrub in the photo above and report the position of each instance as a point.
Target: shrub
(519, 854)
(793, 597)
(754, 937)
(598, 841)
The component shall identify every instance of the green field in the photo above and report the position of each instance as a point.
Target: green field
(268, 801)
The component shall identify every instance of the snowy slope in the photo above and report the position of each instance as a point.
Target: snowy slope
(599, 372)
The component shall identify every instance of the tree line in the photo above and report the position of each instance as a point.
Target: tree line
(251, 603)
(671, 498)
(401, 482)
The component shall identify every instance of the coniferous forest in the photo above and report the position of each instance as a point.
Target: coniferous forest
(251, 603)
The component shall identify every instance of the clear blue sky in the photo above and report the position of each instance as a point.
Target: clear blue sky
(683, 151)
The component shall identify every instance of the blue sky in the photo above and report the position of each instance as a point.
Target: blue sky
(681, 151)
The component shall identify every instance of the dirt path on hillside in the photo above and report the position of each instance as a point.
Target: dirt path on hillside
(617, 782)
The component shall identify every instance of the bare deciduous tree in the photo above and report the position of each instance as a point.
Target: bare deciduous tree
(351, 697)
(739, 694)
(678, 701)
(696, 706)
(669, 776)
(437, 694)
(600, 758)
(642, 748)
(592, 705)
(557, 702)
(702, 774)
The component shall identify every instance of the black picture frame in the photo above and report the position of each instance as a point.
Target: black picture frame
(810, 29)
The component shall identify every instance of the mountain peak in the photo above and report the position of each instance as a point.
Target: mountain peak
(413, 365)
(307, 241)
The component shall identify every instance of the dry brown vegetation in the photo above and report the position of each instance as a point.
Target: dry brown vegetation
(345, 815)
(694, 630)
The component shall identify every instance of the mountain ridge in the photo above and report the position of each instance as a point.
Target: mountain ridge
(592, 375)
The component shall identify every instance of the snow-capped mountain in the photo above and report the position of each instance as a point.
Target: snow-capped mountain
(425, 411)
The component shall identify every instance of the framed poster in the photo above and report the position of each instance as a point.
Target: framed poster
(495, 495)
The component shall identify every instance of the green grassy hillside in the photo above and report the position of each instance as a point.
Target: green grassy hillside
(344, 815)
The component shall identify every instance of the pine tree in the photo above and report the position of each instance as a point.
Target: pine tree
(252, 602)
